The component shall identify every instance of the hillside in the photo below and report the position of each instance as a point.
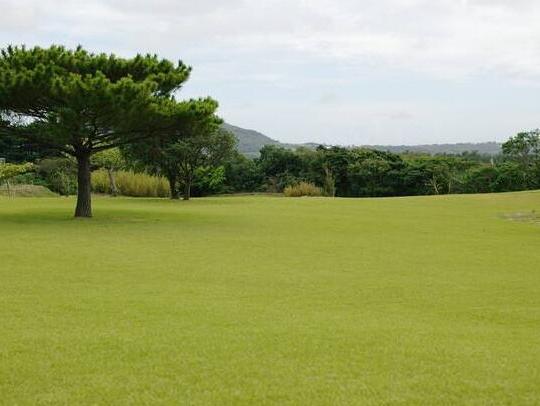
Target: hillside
(250, 143)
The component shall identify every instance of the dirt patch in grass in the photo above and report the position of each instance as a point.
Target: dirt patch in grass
(523, 217)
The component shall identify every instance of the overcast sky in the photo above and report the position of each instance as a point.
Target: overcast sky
(332, 71)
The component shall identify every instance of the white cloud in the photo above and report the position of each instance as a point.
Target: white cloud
(247, 49)
(444, 37)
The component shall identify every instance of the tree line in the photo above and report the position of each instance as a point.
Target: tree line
(209, 164)
(361, 172)
(71, 111)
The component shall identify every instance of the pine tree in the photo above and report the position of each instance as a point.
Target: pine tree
(79, 103)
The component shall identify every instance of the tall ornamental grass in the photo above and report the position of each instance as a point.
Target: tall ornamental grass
(302, 189)
(131, 184)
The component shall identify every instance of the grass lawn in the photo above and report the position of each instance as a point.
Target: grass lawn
(266, 300)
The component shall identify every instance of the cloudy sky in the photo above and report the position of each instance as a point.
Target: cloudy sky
(333, 71)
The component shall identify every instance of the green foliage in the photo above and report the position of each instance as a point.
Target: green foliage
(131, 184)
(505, 177)
(302, 189)
(60, 175)
(524, 149)
(204, 147)
(373, 173)
(208, 180)
(242, 174)
(426, 174)
(15, 148)
(109, 159)
(281, 167)
(80, 103)
(185, 149)
(9, 171)
(361, 172)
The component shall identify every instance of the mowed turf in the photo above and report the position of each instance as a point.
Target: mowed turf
(268, 300)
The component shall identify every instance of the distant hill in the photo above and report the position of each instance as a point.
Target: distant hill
(250, 143)
(486, 148)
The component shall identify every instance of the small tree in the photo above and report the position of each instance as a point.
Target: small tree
(9, 171)
(203, 148)
(111, 160)
(199, 142)
(79, 103)
(524, 148)
(60, 174)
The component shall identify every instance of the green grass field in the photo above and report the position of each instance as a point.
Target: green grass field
(267, 300)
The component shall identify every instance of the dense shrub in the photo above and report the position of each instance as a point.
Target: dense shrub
(242, 175)
(30, 178)
(59, 174)
(302, 189)
(208, 181)
(131, 184)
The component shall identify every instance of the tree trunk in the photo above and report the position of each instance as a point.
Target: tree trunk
(112, 182)
(174, 189)
(433, 182)
(187, 190)
(84, 187)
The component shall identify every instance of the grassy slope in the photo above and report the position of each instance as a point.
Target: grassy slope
(26, 191)
(254, 300)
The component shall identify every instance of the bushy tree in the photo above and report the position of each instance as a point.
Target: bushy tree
(60, 174)
(208, 180)
(202, 148)
(426, 174)
(505, 177)
(524, 148)
(178, 154)
(242, 174)
(79, 103)
(330, 169)
(9, 171)
(280, 166)
(111, 160)
(374, 173)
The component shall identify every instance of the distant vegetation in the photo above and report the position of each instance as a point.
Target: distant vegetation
(362, 172)
(250, 143)
(333, 171)
(482, 148)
